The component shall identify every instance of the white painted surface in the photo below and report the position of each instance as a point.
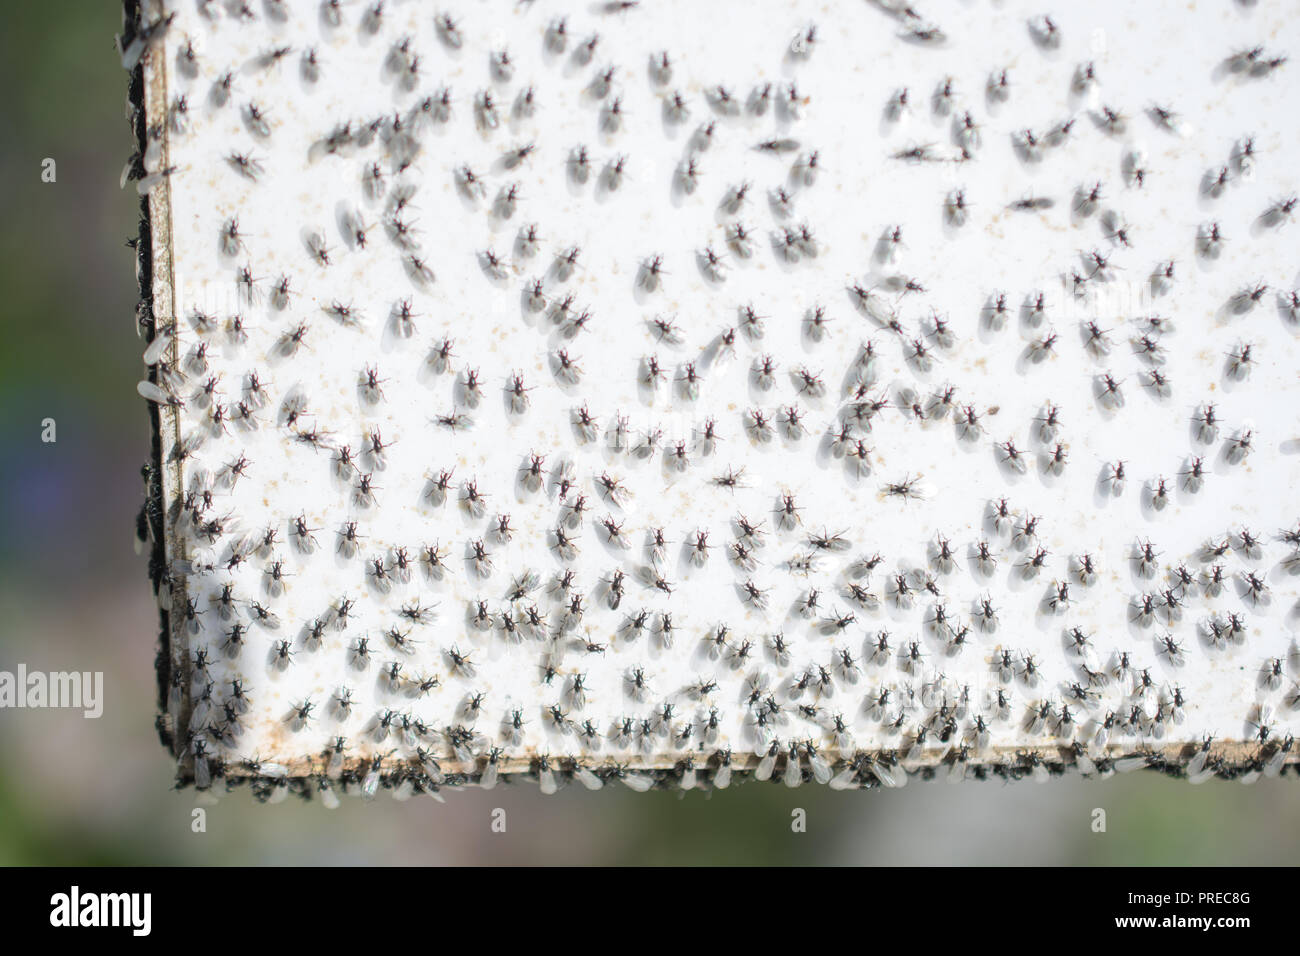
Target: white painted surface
(1171, 58)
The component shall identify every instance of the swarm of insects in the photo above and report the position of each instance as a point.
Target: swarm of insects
(622, 416)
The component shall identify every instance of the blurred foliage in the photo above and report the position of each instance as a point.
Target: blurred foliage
(65, 269)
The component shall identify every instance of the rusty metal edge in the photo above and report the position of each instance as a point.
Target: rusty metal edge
(1228, 760)
(148, 95)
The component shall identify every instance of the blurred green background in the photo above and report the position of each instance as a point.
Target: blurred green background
(73, 596)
